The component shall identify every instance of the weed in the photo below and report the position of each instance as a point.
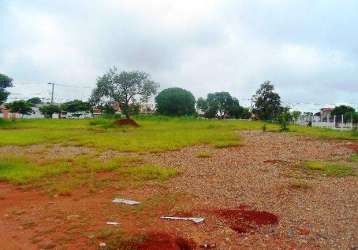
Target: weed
(329, 168)
(354, 158)
(20, 171)
(204, 154)
(149, 172)
(299, 184)
(264, 128)
(227, 144)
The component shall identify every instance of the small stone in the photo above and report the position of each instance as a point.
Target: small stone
(91, 236)
(48, 245)
(73, 216)
(102, 244)
(208, 245)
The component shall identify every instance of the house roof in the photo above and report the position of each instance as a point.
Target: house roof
(326, 109)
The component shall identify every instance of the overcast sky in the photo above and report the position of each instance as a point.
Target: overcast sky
(308, 49)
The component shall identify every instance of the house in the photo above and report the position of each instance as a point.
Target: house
(147, 108)
(5, 113)
(325, 114)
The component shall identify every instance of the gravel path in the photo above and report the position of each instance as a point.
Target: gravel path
(259, 174)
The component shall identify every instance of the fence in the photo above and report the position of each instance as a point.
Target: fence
(333, 123)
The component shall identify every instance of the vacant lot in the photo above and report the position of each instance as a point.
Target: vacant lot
(262, 190)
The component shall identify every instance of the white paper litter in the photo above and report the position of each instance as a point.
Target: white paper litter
(196, 220)
(112, 223)
(124, 201)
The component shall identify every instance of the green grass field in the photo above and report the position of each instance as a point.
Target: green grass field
(154, 133)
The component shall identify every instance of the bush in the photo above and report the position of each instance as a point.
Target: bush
(284, 120)
(49, 110)
(175, 102)
(264, 128)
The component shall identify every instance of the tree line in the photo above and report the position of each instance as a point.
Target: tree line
(131, 89)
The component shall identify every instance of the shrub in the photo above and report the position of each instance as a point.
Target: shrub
(175, 102)
(264, 128)
(284, 120)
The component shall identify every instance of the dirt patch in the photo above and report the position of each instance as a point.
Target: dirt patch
(354, 147)
(159, 240)
(126, 122)
(275, 162)
(244, 220)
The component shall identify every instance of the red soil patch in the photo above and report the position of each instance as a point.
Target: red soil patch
(243, 220)
(158, 240)
(274, 161)
(126, 122)
(353, 147)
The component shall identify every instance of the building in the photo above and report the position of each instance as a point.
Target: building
(325, 114)
(4, 112)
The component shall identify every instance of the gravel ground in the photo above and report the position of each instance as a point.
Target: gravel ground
(46, 152)
(259, 174)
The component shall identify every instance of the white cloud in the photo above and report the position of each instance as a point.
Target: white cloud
(304, 47)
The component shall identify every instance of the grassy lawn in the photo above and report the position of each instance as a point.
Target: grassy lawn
(154, 134)
(324, 133)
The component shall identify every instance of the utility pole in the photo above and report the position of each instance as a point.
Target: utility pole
(53, 90)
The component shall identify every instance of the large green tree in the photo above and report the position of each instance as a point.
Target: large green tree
(221, 105)
(49, 110)
(22, 107)
(342, 110)
(267, 103)
(75, 106)
(34, 101)
(5, 82)
(175, 102)
(125, 88)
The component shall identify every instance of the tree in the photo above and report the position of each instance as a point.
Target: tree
(34, 101)
(235, 110)
(49, 110)
(202, 104)
(295, 115)
(221, 105)
(267, 103)
(175, 101)
(125, 88)
(75, 106)
(22, 107)
(5, 82)
(344, 110)
(284, 119)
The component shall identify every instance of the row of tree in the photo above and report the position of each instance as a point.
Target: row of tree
(132, 89)
(26, 107)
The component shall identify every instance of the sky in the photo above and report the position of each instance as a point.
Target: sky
(307, 49)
